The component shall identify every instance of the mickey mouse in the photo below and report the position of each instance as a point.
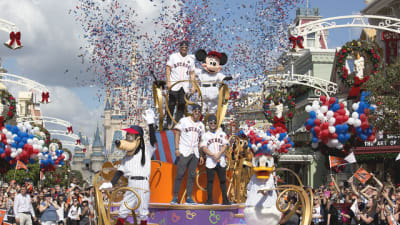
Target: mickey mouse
(209, 77)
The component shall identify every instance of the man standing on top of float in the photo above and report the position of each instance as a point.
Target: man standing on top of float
(179, 66)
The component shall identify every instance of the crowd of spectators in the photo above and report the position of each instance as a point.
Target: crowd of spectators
(28, 204)
(350, 202)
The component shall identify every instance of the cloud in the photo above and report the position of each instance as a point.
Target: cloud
(50, 38)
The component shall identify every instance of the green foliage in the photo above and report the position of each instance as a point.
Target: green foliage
(21, 174)
(385, 93)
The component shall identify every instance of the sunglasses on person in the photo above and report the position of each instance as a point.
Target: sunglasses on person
(212, 122)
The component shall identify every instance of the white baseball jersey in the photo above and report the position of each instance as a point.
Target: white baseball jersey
(210, 94)
(191, 132)
(214, 142)
(180, 69)
(132, 166)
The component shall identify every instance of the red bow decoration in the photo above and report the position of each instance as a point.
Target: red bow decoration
(84, 149)
(279, 122)
(356, 89)
(78, 142)
(70, 129)
(296, 41)
(15, 37)
(45, 97)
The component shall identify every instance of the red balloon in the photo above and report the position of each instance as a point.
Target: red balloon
(334, 135)
(332, 100)
(363, 117)
(371, 138)
(345, 118)
(341, 105)
(322, 98)
(317, 129)
(3, 155)
(342, 112)
(308, 127)
(364, 125)
(325, 126)
(324, 133)
(7, 151)
(317, 122)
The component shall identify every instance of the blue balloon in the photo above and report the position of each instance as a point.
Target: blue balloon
(310, 122)
(363, 137)
(314, 140)
(14, 145)
(335, 107)
(282, 136)
(345, 127)
(17, 139)
(347, 136)
(338, 128)
(313, 114)
(358, 129)
(8, 127)
(21, 145)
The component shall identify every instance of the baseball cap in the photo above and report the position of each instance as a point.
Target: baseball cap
(134, 130)
(212, 117)
(184, 43)
(196, 106)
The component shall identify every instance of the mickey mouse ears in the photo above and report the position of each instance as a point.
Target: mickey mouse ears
(201, 55)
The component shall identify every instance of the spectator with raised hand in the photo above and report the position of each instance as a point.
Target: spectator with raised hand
(368, 215)
(48, 208)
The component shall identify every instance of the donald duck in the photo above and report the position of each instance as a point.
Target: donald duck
(260, 207)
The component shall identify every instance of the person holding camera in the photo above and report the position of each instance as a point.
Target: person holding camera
(48, 208)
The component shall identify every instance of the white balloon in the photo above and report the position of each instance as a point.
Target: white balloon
(357, 123)
(19, 150)
(355, 115)
(13, 149)
(36, 129)
(315, 107)
(54, 157)
(29, 141)
(340, 146)
(314, 145)
(347, 112)
(41, 142)
(35, 140)
(335, 142)
(320, 116)
(13, 155)
(315, 102)
(45, 149)
(4, 131)
(20, 126)
(40, 155)
(329, 114)
(331, 129)
(40, 147)
(324, 109)
(308, 108)
(355, 106)
(9, 141)
(350, 121)
(332, 120)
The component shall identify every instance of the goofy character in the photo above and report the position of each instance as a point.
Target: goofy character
(136, 167)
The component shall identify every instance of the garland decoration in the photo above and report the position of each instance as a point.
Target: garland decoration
(363, 48)
(8, 99)
(282, 98)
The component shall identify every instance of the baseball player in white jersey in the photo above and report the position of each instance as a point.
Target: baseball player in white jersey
(210, 76)
(188, 134)
(213, 144)
(136, 167)
(180, 66)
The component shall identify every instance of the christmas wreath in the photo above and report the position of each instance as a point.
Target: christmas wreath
(55, 140)
(363, 48)
(282, 98)
(8, 99)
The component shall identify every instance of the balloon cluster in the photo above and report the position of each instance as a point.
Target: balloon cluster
(359, 118)
(274, 141)
(51, 157)
(330, 122)
(20, 143)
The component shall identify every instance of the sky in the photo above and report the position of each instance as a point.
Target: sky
(52, 38)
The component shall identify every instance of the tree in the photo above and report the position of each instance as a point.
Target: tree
(385, 93)
(21, 174)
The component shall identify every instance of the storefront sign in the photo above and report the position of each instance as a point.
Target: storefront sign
(386, 140)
